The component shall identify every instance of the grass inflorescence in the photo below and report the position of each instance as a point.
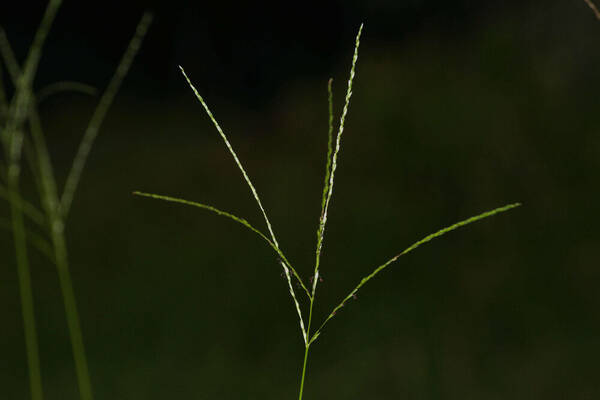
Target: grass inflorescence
(22, 136)
(305, 319)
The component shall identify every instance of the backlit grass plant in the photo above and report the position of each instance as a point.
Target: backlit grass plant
(309, 291)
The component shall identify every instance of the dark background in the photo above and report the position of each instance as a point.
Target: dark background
(458, 107)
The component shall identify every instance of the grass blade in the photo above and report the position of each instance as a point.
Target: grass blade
(106, 100)
(3, 100)
(65, 86)
(411, 248)
(12, 139)
(26, 295)
(10, 62)
(593, 8)
(37, 241)
(256, 197)
(27, 208)
(48, 191)
(19, 105)
(233, 217)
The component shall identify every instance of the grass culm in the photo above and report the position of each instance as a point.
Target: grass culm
(22, 135)
(309, 292)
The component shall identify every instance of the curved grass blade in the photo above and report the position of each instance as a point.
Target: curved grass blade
(256, 197)
(593, 8)
(408, 250)
(27, 208)
(47, 186)
(12, 139)
(37, 241)
(18, 107)
(106, 100)
(10, 61)
(233, 217)
(43, 174)
(65, 86)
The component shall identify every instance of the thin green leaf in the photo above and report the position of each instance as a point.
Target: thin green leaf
(12, 66)
(98, 117)
(65, 86)
(37, 241)
(19, 105)
(27, 208)
(12, 138)
(3, 100)
(233, 217)
(411, 248)
(42, 171)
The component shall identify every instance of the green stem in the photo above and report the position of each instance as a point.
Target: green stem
(73, 322)
(25, 289)
(303, 371)
(49, 196)
(308, 340)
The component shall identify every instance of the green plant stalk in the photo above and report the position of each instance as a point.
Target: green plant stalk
(73, 321)
(57, 211)
(25, 290)
(12, 138)
(58, 240)
(35, 240)
(48, 190)
(303, 371)
(26, 207)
